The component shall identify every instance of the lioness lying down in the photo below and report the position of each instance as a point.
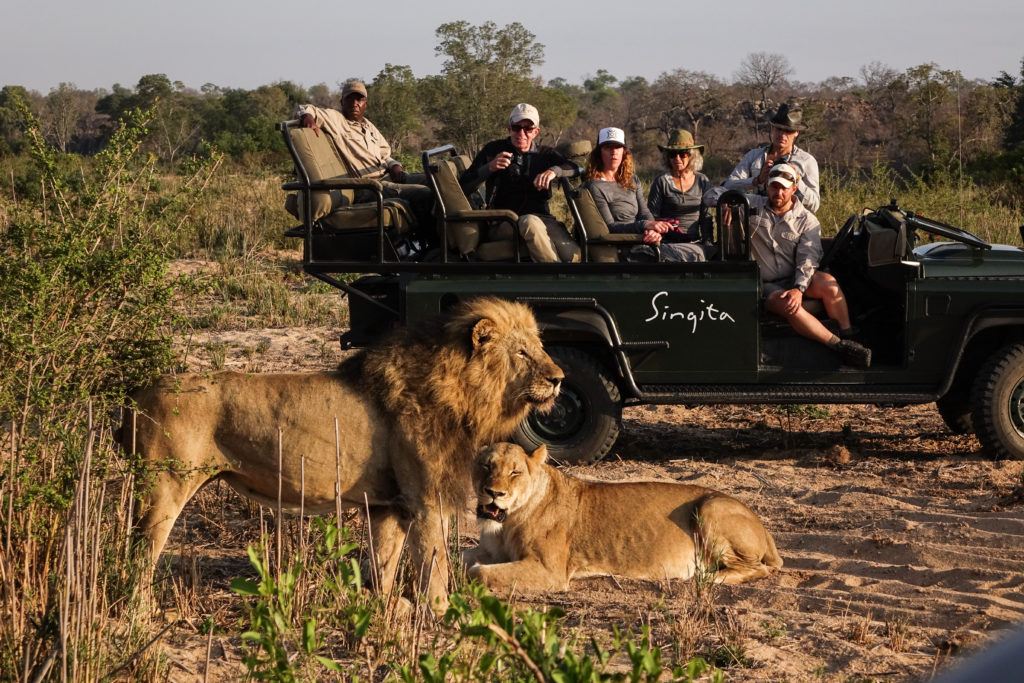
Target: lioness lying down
(539, 528)
(396, 428)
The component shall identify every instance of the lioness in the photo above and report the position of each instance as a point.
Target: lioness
(411, 414)
(540, 527)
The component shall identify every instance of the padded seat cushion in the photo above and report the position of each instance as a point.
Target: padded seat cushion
(397, 214)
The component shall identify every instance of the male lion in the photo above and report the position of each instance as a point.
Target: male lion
(540, 528)
(411, 413)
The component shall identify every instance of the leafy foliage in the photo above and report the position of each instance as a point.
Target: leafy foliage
(85, 317)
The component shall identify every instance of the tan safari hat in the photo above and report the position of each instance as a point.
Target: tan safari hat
(680, 140)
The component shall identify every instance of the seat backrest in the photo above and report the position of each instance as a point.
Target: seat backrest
(732, 215)
(317, 156)
(589, 222)
(463, 236)
(593, 221)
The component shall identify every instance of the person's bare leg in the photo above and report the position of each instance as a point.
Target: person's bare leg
(802, 322)
(825, 287)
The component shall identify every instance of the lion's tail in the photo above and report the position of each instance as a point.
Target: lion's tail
(771, 556)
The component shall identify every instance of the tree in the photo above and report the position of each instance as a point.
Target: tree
(486, 71)
(688, 99)
(762, 71)
(396, 107)
(1013, 138)
(11, 134)
(929, 114)
(65, 107)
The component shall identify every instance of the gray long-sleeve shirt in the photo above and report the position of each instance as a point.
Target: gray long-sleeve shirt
(749, 167)
(623, 210)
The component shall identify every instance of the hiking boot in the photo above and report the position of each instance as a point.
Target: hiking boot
(853, 354)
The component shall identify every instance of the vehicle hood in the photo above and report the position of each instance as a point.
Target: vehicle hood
(947, 259)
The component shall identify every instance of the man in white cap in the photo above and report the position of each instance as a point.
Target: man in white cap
(751, 174)
(367, 153)
(785, 240)
(518, 174)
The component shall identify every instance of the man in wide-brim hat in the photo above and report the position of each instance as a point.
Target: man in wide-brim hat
(751, 173)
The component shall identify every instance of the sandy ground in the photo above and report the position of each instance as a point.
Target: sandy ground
(903, 544)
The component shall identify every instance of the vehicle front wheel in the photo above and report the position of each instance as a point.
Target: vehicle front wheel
(998, 399)
(584, 423)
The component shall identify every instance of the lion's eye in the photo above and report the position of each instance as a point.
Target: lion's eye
(514, 473)
(523, 353)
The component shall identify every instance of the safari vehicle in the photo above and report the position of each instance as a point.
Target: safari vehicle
(942, 310)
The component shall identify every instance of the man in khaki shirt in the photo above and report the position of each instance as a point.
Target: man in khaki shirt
(367, 153)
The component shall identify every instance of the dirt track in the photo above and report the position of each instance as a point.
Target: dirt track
(902, 543)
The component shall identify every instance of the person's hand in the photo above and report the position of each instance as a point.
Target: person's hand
(660, 227)
(500, 162)
(791, 299)
(397, 173)
(308, 121)
(762, 177)
(543, 179)
(652, 237)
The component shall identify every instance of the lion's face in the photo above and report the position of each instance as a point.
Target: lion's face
(506, 479)
(534, 376)
(506, 346)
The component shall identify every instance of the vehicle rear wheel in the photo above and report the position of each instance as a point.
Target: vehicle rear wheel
(584, 424)
(998, 400)
(955, 410)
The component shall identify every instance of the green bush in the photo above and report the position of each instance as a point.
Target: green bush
(84, 317)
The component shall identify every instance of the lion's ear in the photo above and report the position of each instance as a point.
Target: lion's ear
(540, 455)
(483, 332)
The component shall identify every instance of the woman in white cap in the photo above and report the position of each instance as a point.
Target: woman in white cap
(617, 194)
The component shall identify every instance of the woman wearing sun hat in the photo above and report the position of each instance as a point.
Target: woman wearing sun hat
(677, 194)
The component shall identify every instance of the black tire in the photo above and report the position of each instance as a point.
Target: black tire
(584, 424)
(955, 410)
(998, 400)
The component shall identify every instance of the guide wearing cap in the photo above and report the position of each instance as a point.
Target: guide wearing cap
(785, 240)
(751, 173)
(367, 153)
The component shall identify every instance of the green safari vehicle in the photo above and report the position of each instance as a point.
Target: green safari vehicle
(941, 309)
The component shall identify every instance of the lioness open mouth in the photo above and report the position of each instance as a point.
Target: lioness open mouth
(491, 511)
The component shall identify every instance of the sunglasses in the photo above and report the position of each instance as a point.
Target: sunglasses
(516, 128)
(683, 153)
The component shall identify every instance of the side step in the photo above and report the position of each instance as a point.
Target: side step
(703, 394)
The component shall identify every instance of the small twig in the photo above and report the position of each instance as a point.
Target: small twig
(517, 649)
(209, 646)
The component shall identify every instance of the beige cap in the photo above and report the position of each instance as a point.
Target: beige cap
(783, 174)
(524, 111)
(353, 85)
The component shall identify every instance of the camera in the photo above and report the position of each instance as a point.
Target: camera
(519, 165)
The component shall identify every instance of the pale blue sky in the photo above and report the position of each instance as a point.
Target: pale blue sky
(244, 44)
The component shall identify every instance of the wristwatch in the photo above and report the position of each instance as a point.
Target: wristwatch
(801, 288)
